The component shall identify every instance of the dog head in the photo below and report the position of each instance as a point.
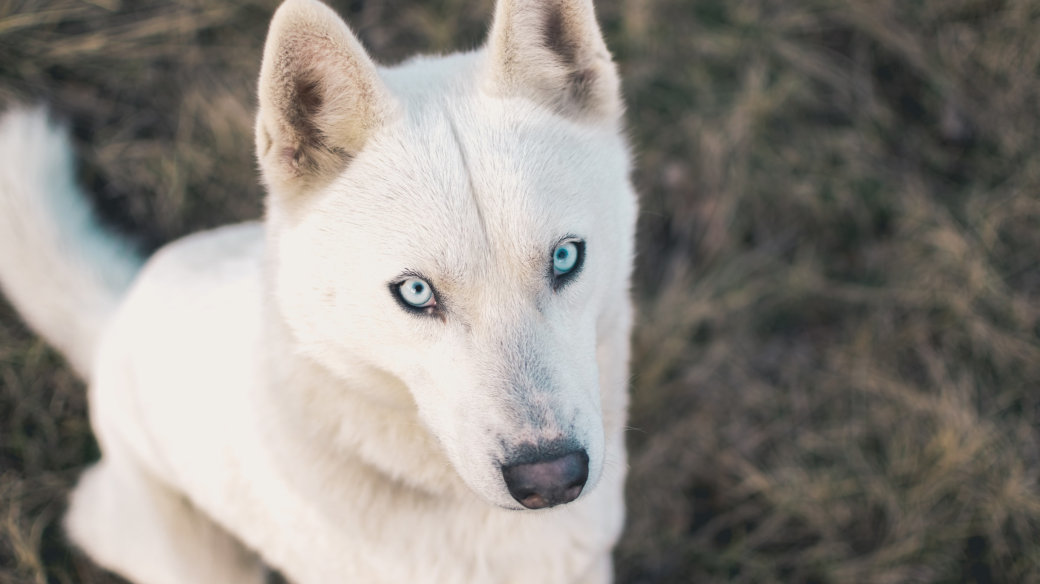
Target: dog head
(461, 225)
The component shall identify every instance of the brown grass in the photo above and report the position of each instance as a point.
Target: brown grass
(838, 357)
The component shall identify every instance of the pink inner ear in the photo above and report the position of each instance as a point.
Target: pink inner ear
(289, 156)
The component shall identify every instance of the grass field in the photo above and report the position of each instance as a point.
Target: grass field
(836, 372)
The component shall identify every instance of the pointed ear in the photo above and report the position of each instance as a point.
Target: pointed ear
(552, 51)
(320, 97)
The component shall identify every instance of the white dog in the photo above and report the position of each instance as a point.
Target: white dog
(393, 378)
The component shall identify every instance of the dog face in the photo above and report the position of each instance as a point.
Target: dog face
(462, 225)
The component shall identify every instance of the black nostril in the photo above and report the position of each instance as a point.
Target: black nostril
(545, 483)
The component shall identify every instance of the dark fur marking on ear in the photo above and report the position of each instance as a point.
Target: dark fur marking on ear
(311, 153)
(307, 100)
(581, 85)
(557, 38)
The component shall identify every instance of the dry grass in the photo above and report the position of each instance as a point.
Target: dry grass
(837, 366)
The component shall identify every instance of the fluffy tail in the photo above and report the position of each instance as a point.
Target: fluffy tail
(58, 266)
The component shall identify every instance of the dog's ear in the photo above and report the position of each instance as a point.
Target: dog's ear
(552, 51)
(320, 97)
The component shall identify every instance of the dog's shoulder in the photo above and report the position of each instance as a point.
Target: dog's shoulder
(209, 253)
(210, 281)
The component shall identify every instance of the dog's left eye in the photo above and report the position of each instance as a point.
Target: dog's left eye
(567, 259)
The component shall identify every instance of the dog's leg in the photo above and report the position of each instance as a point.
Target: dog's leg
(141, 530)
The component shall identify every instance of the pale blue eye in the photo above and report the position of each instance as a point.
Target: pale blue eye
(565, 257)
(416, 292)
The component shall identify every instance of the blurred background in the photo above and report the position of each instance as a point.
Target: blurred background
(836, 373)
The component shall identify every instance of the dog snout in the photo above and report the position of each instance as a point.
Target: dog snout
(546, 483)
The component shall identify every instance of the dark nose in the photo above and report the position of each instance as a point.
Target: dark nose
(546, 483)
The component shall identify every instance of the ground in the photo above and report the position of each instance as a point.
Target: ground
(836, 371)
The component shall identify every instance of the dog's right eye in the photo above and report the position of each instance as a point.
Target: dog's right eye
(416, 293)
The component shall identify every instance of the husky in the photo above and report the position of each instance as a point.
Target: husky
(414, 369)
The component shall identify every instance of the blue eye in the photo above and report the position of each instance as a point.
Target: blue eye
(417, 293)
(565, 258)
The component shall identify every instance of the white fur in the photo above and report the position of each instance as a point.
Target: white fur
(260, 396)
(61, 271)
